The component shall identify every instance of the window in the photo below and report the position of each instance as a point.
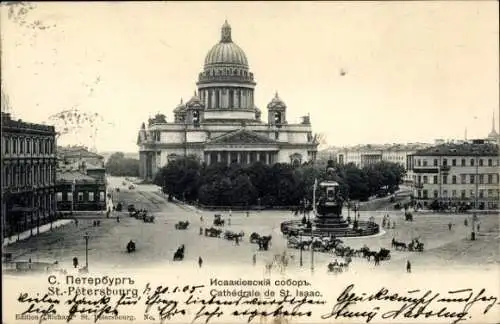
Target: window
(426, 195)
(471, 162)
(435, 162)
(21, 145)
(472, 179)
(70, 196)
(471, 193)
(454, 162)
(435, 180)
(463, 162)
(80, 196)
(425, 179)
(419, 179)
(425, 162)
(59, 196)
(462, 194)
(490, 162)
(419, 193)
(445, 179)
(454, 193)
(91, 196)
(481, 193)
(35, 146)
(445, 162)
(490, 178)
(480, 162)
(435, 193)
(481, 178)
(14, 145)
(490, 193)
(101, 196)
(454, 179)
(419, 162)
(445, 194)
(28, 145)
(462, 179)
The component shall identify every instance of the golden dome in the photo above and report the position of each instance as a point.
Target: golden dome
(226, 52)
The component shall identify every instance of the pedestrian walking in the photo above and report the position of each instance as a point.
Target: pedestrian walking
(230, 213)
(254, 259)
(408, 266)
(449, 226)
(201, 231)
(200, 262)
(466, 223)
(117, 219)
(478, 227)
(248, 213)
(229, 222)
(75, 262)
(237, 240)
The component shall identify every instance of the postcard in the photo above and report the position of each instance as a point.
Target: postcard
(250, 162)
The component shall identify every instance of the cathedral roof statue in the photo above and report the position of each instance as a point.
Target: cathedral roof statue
(276, 102)
(226, 52)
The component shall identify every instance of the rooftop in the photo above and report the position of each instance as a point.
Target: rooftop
(69, 176)
(9, 123)
(465, 149)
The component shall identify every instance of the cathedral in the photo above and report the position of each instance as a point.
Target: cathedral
(222, 124)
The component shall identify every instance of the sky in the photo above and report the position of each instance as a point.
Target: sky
(415, 71)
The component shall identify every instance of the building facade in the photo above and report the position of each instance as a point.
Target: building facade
(77, 191)
(28, 175)
(364, 155)
(222, 124)
(81, 180)
(458, 174)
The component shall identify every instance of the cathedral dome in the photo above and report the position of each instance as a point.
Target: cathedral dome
(226, 52)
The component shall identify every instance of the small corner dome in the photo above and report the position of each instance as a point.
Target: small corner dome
(194, 101)
(276, 102)
(180, 107)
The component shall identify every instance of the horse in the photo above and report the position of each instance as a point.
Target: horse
(179, 254)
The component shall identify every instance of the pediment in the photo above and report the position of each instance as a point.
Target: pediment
(241, 136)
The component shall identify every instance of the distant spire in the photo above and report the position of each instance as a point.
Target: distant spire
(276, 94)
(226, 33)
(493, 130)
(465, 133)
(181, 101)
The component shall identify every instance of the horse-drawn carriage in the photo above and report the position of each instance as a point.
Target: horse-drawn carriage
(384, 254)
(264, 242)
(338, 267)
(416, 245)
(408, 216)
(130, 246)
(254, 237)
(182, 225)
(212, 232)
(179, 254)
(218, 221)
(231, 236)
(131, 208)
(148, 219)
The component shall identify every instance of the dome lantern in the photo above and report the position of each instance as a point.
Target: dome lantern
(226, 33)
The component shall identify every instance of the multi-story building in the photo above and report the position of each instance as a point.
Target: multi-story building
(222, 124)
(81, 180)
(364, 155)
(458, 174)
(28, 175)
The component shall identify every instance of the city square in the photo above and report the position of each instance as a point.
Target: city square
(327, 151)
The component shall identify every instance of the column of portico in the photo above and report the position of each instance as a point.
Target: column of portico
(239, 157)
(219, 157)
(208, 158)
(258, 156)
(267, 157)
(228, 158)
(248, 157)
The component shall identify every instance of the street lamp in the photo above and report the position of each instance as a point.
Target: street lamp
(86, 237)
(301, 248)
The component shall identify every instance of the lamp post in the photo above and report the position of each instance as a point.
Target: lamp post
(86, 237)
(301, 248)
(314, 214)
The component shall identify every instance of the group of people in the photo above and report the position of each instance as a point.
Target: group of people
(386, 222)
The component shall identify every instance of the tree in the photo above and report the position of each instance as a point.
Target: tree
(119, 165)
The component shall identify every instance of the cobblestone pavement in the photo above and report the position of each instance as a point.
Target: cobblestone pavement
(157, 242)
